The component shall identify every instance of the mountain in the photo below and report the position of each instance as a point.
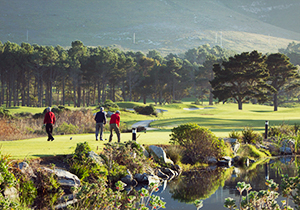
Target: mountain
(169, 26)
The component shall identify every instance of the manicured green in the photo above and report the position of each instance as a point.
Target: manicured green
(221, 121)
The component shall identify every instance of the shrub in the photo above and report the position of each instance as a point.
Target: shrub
(7, 178)
(109, 105)
(38, 116)
(27, 189)
(83, 166)
(23, 114)
(146, 110)
(82, 150)
(180, 134)
(127, 155)
(4, 113)
(199, 142)
(282, 130)
(67, 128)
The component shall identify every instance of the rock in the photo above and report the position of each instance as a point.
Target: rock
(146, 178)
(159, 154)
(65, 178)
(26, 169)
(162, 175)
(169, 172)
(153, 179)
(140, 178)
(235, 145)
(211, 160)
(11, 193)
(286, 150)
(95, 157)
(145, 152)
(176, 168)
(224, 163)
(128, 179)
(109, 114)
(288, 145)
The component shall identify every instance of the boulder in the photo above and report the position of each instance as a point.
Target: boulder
(169, 172)
(162, 175)
(225, 161)
(145, 152)
(285, 150)
(26, 169)
(159, 154)
(211, 160)
(235, 145)
(65, 178)
(176, 168)
(11, 193)
(95, 157)
(146, 178)
(288, 145)
(128, 179)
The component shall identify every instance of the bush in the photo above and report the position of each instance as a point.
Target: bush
(67, 128)
(4, 113)
(282, 130)
(109, 105)
(83, 166)
(180, 134)
(146, 110)
(199, 142)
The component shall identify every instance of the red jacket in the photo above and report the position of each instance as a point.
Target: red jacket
(49, 118)
(115, 119)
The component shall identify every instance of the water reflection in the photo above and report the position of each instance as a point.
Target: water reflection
(213, 186)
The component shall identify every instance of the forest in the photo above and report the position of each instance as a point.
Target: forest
(34, 75)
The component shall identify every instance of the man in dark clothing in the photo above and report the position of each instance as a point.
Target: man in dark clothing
(100, 119)
(114, 124)
(49, 120)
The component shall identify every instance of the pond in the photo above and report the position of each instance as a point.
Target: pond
(215, 185)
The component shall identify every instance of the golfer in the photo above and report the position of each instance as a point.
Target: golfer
(100, 119)
(114, 124)
(49, 120)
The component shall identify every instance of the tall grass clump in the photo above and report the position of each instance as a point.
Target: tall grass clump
(68, 122)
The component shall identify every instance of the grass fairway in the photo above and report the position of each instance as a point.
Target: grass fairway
(221, 119)
(38, 147)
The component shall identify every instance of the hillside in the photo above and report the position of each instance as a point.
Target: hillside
(170, 26)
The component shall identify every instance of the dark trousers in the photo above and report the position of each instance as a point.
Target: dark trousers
(49, 129)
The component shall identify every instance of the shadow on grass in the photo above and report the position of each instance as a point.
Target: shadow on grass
(13, 107)
(261, 111)
(219, 123)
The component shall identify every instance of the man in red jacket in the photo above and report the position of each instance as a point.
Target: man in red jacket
(114, 124)
(49, 120)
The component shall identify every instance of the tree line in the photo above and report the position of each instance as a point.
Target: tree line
(34, 75)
